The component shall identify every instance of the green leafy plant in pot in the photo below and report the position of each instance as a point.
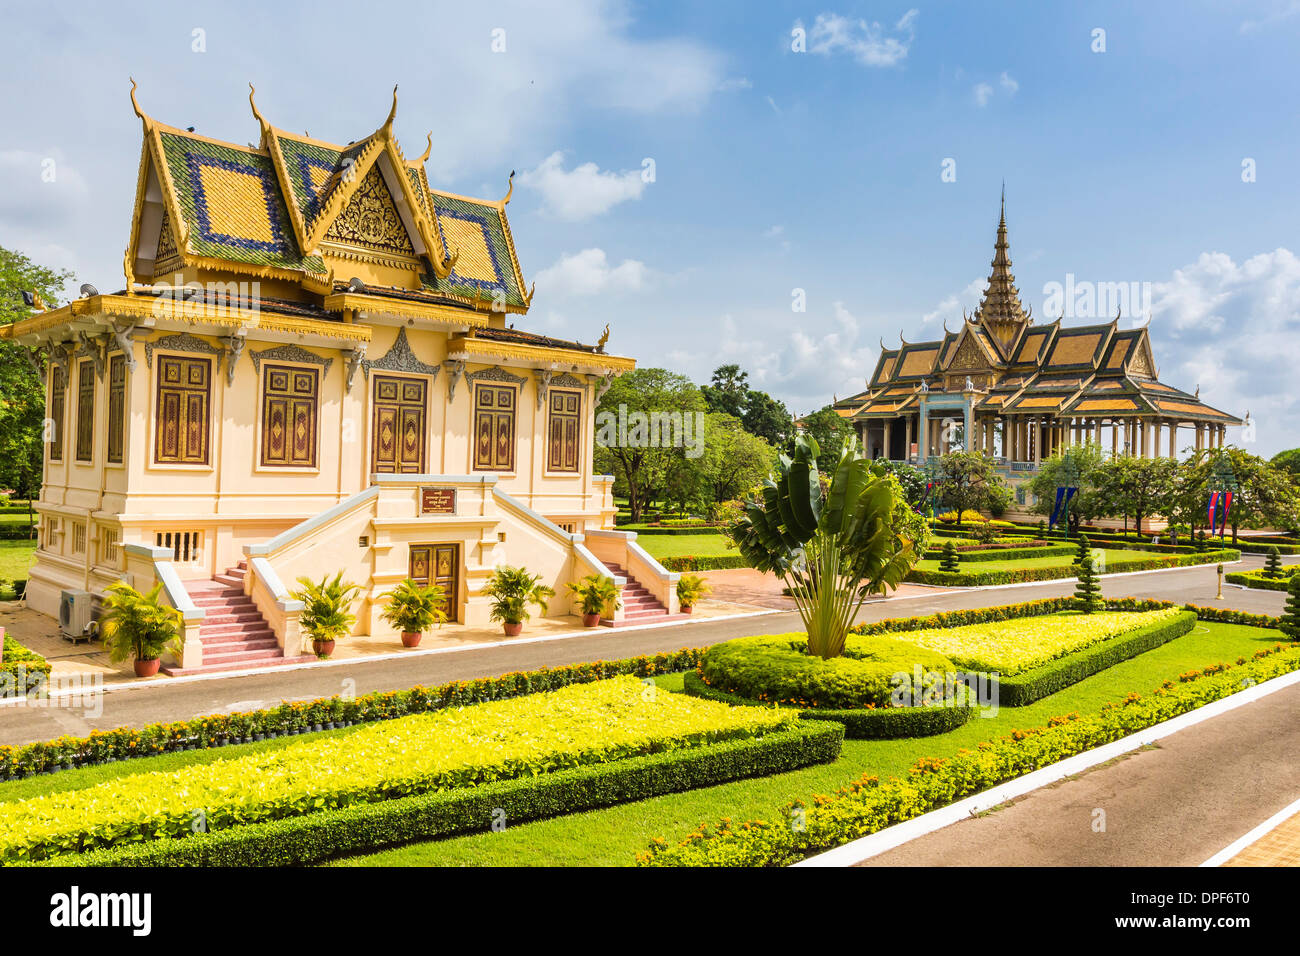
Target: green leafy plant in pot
(511, 590)
(414, 608)
(690, 588)
(139, 626)
(833, 549)
(595, 593)
(325, 614)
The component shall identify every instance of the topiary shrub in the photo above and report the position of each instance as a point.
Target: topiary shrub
(1273, 562)
(1289, 623)
(1085, 547)
(1087, 595)
(777, 668)
(950, 562)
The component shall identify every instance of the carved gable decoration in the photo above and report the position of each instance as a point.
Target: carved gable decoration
(969, 356)
(290, 353)
(181, 342)
(400, 358)
(1140, 363)
(371, 220)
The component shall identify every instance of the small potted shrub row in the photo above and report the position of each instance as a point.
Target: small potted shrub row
(511, 591)
(326, 615)
(139, 626)
(414, 608)
(690, 588)
(595, 593)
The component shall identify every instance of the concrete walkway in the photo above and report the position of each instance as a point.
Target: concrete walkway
(1175, 804)
(178, 698)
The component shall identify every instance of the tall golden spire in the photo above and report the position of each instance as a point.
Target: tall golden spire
(1001, 311)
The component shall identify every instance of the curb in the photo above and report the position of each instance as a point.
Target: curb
(900, 833)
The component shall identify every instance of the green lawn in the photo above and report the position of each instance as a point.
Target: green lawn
(680, 545)
(613, 836)
(15, 558)
(1051, 561)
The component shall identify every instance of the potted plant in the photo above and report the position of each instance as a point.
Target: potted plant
(139, 626)
(325, 611)
(511, 591)
(690, 588)
(595, 592)
(413, 609)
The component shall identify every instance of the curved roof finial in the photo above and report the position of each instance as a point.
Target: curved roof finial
(424, 157)
(392, 113)
(135, 105)
(257, 114)
(510, 188)
(901, 339)
(945, 326)
(882, 344)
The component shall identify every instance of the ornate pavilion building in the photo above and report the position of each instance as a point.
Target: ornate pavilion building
(313, 367)
(1021, 391)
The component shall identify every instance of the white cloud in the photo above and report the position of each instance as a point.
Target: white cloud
(1282, 12)
(1008, 83)
(581, 192)
(952, 306)
(983, 93)
(589, 273)
(771, 232)
(735, 83)
(1234, 329)
(869, 44)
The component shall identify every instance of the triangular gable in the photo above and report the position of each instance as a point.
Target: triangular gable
(476, 234)
(971, 353)
(1140, 361)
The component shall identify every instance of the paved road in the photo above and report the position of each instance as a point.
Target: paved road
(141, 705)
(1176, 804)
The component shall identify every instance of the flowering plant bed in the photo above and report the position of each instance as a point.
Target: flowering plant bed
(577, 726)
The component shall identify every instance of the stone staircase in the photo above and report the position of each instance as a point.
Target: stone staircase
(639, 605)
(234, 634)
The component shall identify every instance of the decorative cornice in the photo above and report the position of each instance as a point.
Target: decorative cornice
(290, 353)
(180, 342)
(400, 358)
(494, 374)
(565, 380)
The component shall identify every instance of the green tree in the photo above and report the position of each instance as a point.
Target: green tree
(828, 429)
(950, 562)
(768, 418)
(833, 548)
(911, 480)
(1288, 461)
(1082, 552)
(1084, 461)
(1137, 487)
(734, 460)
(22, 383)
(1265, 496)
(964, 480)
(728, 391)
(634, 444)
(1289, 624)
(1272, 562)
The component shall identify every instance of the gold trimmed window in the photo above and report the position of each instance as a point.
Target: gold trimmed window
(290, 404)
(494, 427)
(58, 396)
(116, 408)
(85, 411)
(184, 407)
(563, 450)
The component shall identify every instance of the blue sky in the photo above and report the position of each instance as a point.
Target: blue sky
(774, 170)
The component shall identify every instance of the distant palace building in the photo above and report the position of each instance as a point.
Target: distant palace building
(1024, 391)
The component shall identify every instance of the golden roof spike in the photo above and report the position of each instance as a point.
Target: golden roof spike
(135, 105)
(901, 339)
(510, 188)
(428, 150)
(882, 344)
(392, 114)
(257, 114)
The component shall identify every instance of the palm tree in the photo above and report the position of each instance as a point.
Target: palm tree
(511, 591)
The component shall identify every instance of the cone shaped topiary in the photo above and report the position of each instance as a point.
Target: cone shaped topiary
(1289, 624)
(1272, 563)
(1087, 596)
(1083, 550)
(949, 562)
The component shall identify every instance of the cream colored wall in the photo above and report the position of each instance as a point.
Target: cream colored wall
(233, 501)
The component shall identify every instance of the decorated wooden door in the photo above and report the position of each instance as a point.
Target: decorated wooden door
(438, 564)
(398, 447)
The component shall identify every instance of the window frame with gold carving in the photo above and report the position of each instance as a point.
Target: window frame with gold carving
(192, 463)
(478, 410)
(292, 398)
(552, 394)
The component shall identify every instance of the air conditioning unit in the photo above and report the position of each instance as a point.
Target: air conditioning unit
(77, 615)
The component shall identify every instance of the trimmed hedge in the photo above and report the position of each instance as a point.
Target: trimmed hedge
(21, 670)
(1023, 575)
(1022, 689)
(216, 730)
(706, 562)
(860, 723)
(1258, 579)
(314, 837)
(996, 553)
(1001, 612)
(870, 805)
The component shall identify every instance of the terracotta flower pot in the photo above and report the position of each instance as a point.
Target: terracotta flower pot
(147, 668)
(513, 629)
(410, 638)
(590, 620)
(323, 649)
(686, 608)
